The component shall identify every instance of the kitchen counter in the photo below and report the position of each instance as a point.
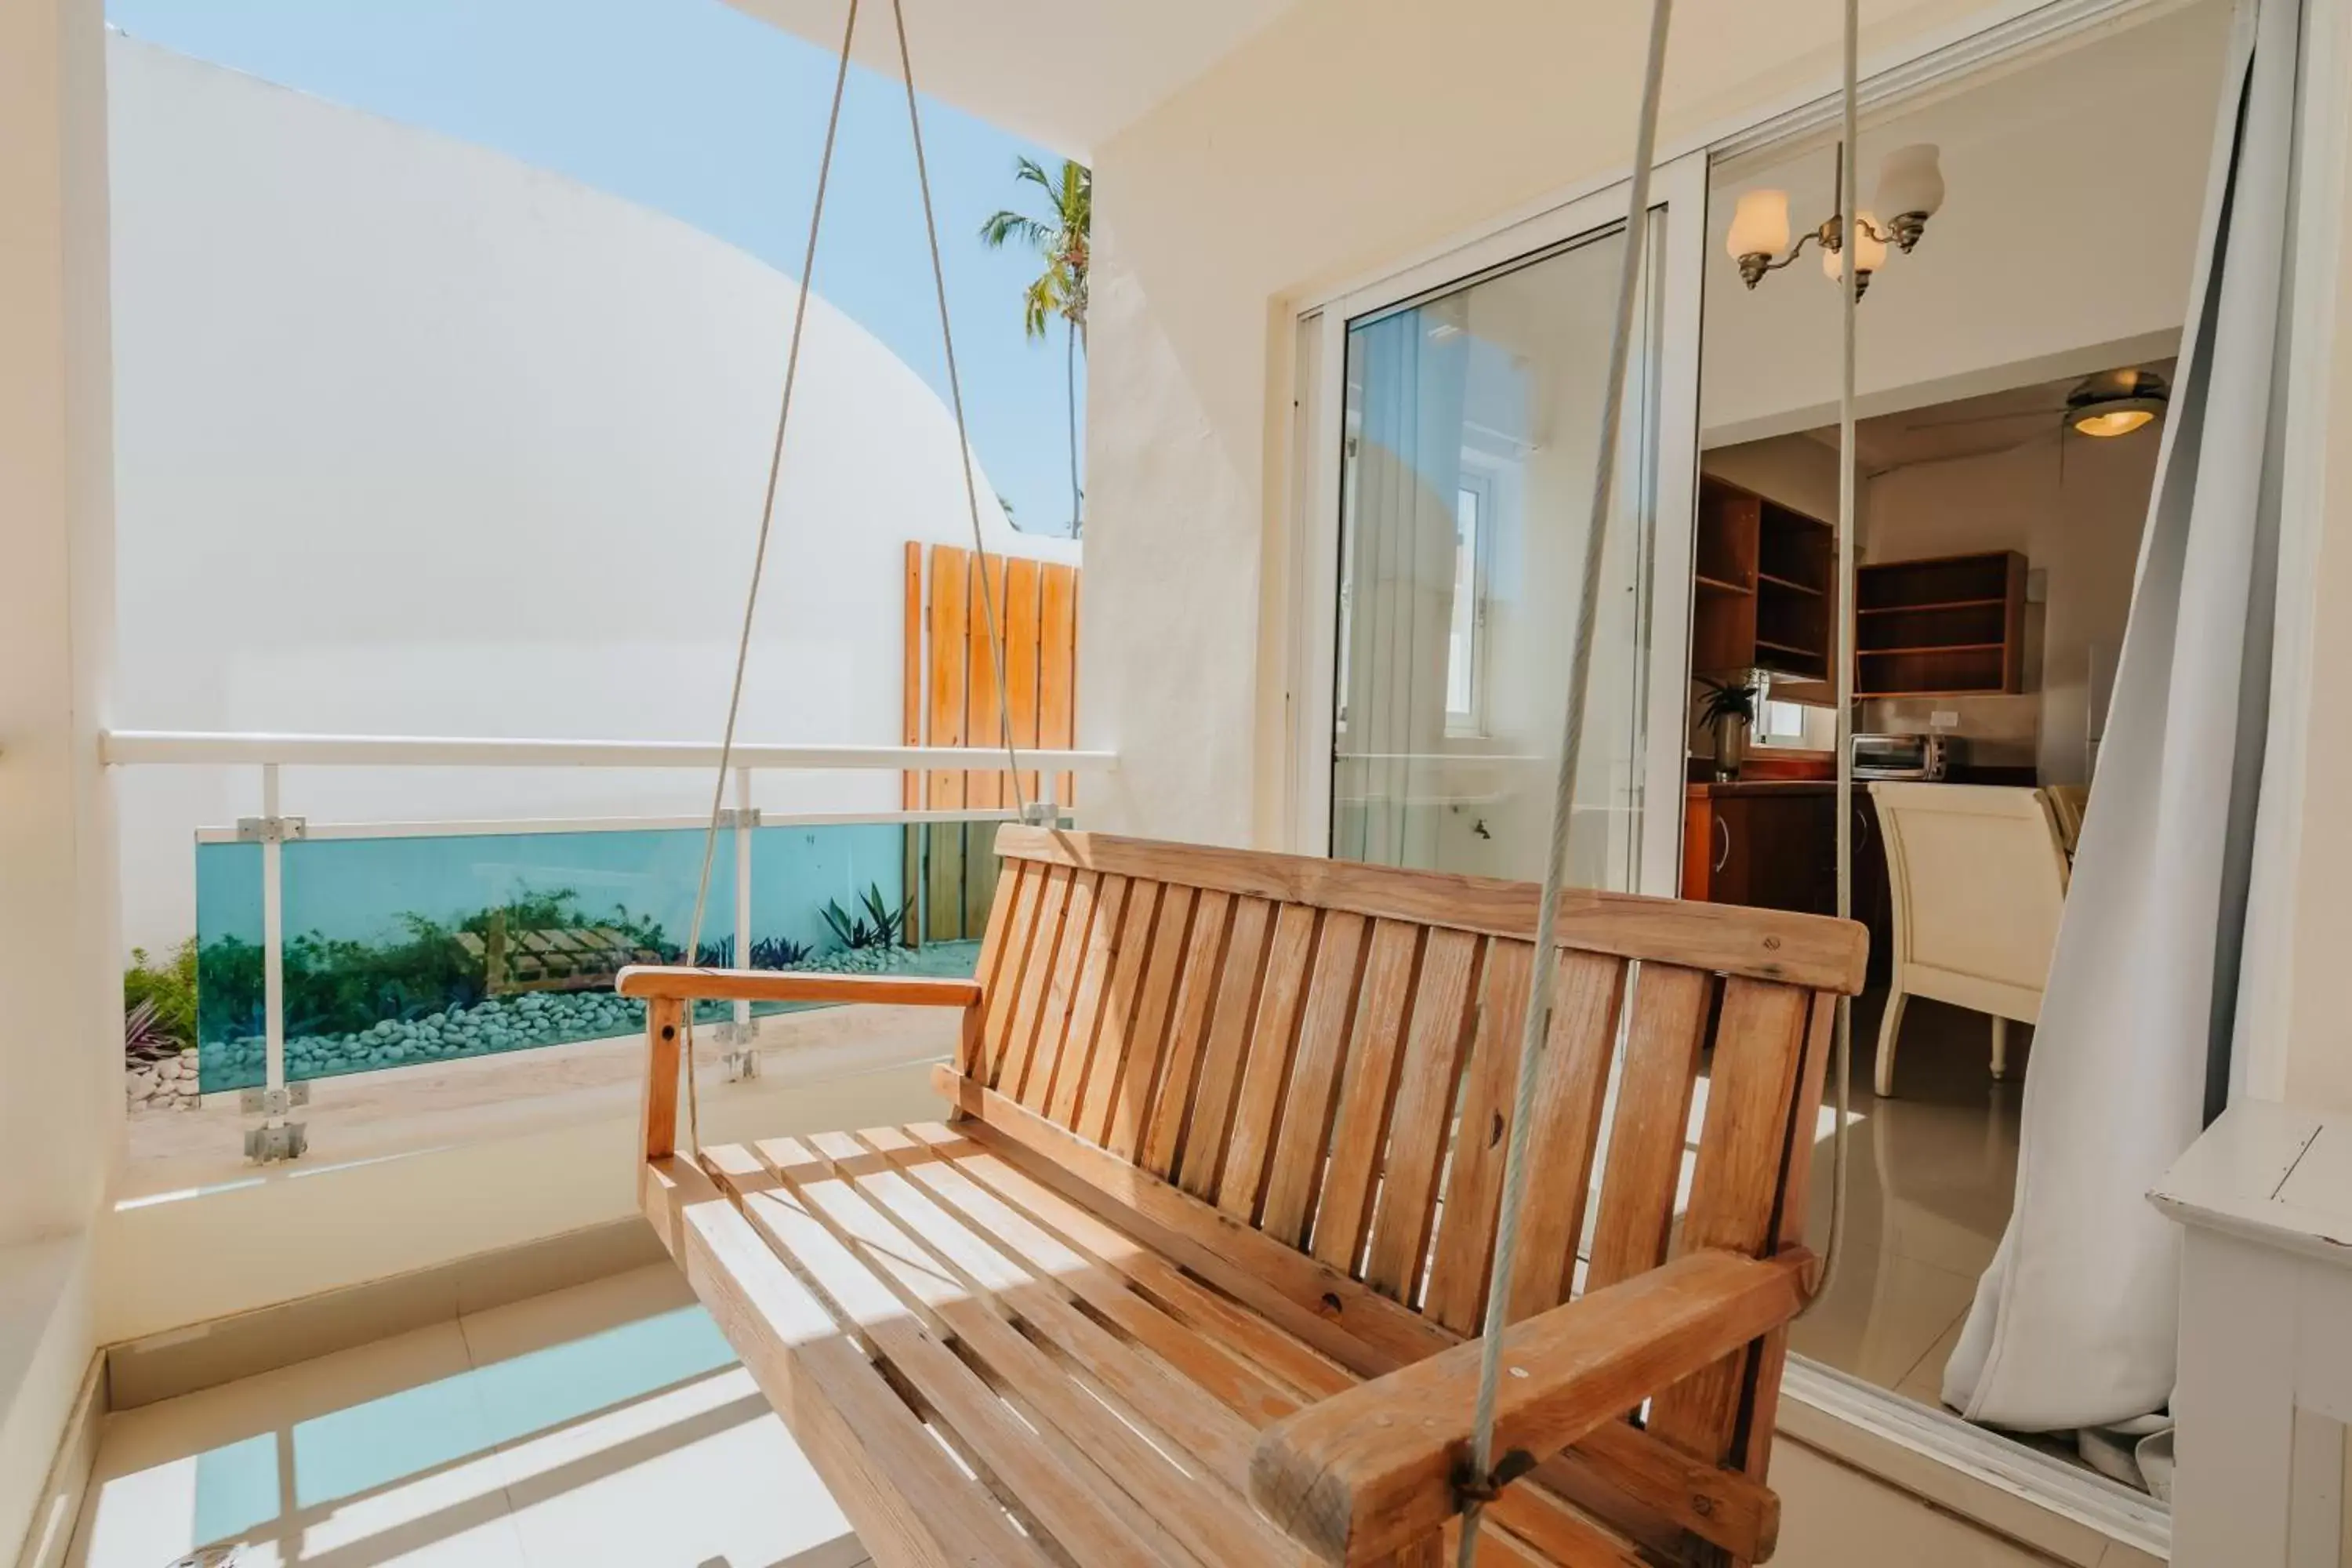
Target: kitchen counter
(1760, 788)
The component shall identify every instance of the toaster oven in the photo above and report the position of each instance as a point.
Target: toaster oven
(1925, 758)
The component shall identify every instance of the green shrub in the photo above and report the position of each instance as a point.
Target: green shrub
(335, 986)
(170, 985)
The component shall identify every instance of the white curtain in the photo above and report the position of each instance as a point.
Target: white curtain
(2073, 1324)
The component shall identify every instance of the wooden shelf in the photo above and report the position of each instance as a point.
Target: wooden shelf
(1965, 631)
(1756, 605)
(1926, 609)
(1940, 648)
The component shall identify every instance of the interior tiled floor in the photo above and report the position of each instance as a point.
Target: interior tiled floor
(608, 1424)
(1930, 1177)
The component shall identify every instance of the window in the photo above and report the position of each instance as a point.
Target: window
(1790, 724)
(1466, 628)
(1463, 493)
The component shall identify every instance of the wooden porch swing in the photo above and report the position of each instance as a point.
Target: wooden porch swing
(1216, 1204)
(1257, 1229)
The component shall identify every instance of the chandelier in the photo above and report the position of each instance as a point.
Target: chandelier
(1910, 185)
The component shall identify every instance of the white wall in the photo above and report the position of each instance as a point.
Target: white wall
(2063, 245)
(1795, 470)
(415, 439)
(1341, 139)
(60, 997)
(2078, 522)
(294, 1231)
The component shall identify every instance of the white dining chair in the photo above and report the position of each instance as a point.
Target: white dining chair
(2067, 804)
(1978, 877)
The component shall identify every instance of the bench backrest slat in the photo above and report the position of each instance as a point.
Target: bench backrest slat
(1327, 1052)
(1364, 1085)
(1437, 1037)
(1159, 1121)
(1198, 1147)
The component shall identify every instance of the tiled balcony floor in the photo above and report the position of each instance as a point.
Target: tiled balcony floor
(607, 1423)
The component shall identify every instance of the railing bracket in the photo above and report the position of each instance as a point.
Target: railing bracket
(740, 817)
(273, 1101)
(742, 1065)
(271, 829)
(276, 1141)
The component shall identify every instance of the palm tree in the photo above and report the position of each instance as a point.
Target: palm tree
(1062, 241)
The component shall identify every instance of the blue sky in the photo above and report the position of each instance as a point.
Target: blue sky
(693, 109)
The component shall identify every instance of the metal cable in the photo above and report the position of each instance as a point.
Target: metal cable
(1842, 1053)
(955, 398)
(759, 567)
(1536, 1025)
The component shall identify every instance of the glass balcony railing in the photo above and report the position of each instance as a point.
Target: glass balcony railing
(331, 950)
(402, 947)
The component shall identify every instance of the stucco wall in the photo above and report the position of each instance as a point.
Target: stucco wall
(2078, 521)
(61, 999)
(2062, 247)
(415, 439)
(1341, 138)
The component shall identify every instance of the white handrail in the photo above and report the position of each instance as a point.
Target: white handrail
(315, 831)
(195, 747)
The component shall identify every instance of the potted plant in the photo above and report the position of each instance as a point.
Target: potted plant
(1730, 710)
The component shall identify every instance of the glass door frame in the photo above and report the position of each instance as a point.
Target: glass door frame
(1677, 197)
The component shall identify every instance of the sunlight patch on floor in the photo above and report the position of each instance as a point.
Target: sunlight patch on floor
(605, 1424)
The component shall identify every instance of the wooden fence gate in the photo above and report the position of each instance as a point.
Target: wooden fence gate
(952, 700)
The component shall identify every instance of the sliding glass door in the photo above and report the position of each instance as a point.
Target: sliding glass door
(1466, 428)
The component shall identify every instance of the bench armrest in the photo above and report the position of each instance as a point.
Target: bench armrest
(1365, 1472)
(678, 984)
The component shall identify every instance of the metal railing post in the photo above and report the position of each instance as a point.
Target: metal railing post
(744, 1060)
(276, 1138)
(273, 940)
(1043, 811)
(743, 887)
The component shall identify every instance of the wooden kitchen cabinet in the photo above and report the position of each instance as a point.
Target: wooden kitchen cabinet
(1769, 846)
(1950, 627)
(1763, 586)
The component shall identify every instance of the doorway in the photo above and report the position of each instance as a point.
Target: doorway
(2014, 371)
(1450, 487)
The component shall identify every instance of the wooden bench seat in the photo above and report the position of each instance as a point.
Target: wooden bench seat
(1225, 1143)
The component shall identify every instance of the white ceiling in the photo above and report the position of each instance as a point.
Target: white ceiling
(1066, 74)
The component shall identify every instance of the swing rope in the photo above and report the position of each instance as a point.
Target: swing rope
(768, 507)
(1483, 1478)
(1842, 1051)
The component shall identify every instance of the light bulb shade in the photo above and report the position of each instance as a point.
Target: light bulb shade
(1759, 226)
(1871, 252)
(2117, 402)
(1909, 181)
(2115, 419)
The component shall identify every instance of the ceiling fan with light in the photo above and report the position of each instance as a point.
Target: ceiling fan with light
(2112, 403)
